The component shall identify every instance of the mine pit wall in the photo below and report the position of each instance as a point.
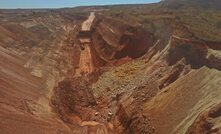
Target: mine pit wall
(136, 43)
(178, 55)
(207, 122)
(73, 96)
(196, 53)
(124, 41)
(48, 63)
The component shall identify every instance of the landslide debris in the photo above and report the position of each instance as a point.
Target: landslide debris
(153, 70)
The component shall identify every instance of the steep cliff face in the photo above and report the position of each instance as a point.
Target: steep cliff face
(115, 40)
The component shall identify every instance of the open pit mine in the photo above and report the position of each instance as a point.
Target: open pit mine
(123, 69)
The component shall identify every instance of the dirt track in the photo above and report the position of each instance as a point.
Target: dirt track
(85, 63)
(86, 26)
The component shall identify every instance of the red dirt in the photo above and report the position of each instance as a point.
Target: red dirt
(85, 63)
(20, 94)
(106, 76)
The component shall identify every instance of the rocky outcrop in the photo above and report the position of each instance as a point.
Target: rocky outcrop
(207, 122)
